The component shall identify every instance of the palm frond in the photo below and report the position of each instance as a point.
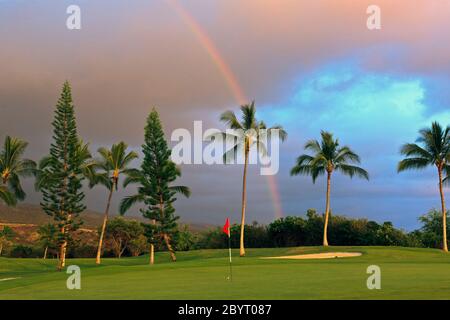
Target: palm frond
(305, 166)
(446, 180)
(26, 168)
(249, 116)
(43, 179)
(102, 179)
(262, 125)
(127, 202)
(304, 169)
(412, 149)
(13, 149)
(231, 120)
(313, 145)
(185, 191)
(16, 187)
(345, 154)
(320, 160)
(129, 157)
(7, 197)
(413, 163)
(352, 171)
(316, 172)
(132, 176)
(304, 159)
(435, 144)
(282, 134)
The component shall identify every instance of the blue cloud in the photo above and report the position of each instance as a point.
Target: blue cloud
(374, 113)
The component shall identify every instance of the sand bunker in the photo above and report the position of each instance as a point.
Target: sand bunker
(8, 279)
(325, 255)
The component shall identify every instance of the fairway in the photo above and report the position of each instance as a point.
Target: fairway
(406, 273)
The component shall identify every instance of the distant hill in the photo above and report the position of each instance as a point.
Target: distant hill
(33, 215)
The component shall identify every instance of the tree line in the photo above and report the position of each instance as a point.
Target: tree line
(128, 237)
(293, 231)
(61, 175)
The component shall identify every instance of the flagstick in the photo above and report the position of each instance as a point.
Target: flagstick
(229, 251)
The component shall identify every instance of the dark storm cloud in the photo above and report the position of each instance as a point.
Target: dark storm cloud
(133, 55)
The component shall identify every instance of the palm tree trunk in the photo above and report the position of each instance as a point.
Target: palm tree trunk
(327, 211)
(444, 212)
(169, 247)
(105, 221)
(244, 201)
(1, 249)
(152, 254)
(45, 252)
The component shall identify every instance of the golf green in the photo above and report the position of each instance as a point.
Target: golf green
(406, 273)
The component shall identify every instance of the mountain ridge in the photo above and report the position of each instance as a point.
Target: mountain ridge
(30, 214)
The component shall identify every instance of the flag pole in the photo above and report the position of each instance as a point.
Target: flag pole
(229, 251)
(227, 230)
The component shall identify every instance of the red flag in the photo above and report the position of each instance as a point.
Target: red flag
(226, 227)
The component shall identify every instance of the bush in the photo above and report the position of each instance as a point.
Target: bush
(120, 233)
(299, 231)
(184, 240)
(256, 236)
(138, 246)
(81, 250)
(21, 251)
(287, 232)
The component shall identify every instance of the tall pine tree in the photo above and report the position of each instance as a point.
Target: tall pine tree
(62, 173)
(155, 189)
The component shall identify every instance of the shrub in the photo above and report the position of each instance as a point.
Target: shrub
(21, 251)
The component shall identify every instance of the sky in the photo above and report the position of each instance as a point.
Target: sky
(309, 66)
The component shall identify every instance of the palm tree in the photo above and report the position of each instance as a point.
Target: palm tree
(328, 157)
(12, 168)
(249, 133)
(113, 163)
(7, 197)
(434, 150)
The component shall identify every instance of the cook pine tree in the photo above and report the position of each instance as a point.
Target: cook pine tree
(61, 175)
(155, 187)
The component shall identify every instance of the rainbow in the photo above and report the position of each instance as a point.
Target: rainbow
(230, 80)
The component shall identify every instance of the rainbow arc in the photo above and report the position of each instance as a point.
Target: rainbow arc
(230, 79)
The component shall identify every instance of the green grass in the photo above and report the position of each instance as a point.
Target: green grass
(407, 273)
